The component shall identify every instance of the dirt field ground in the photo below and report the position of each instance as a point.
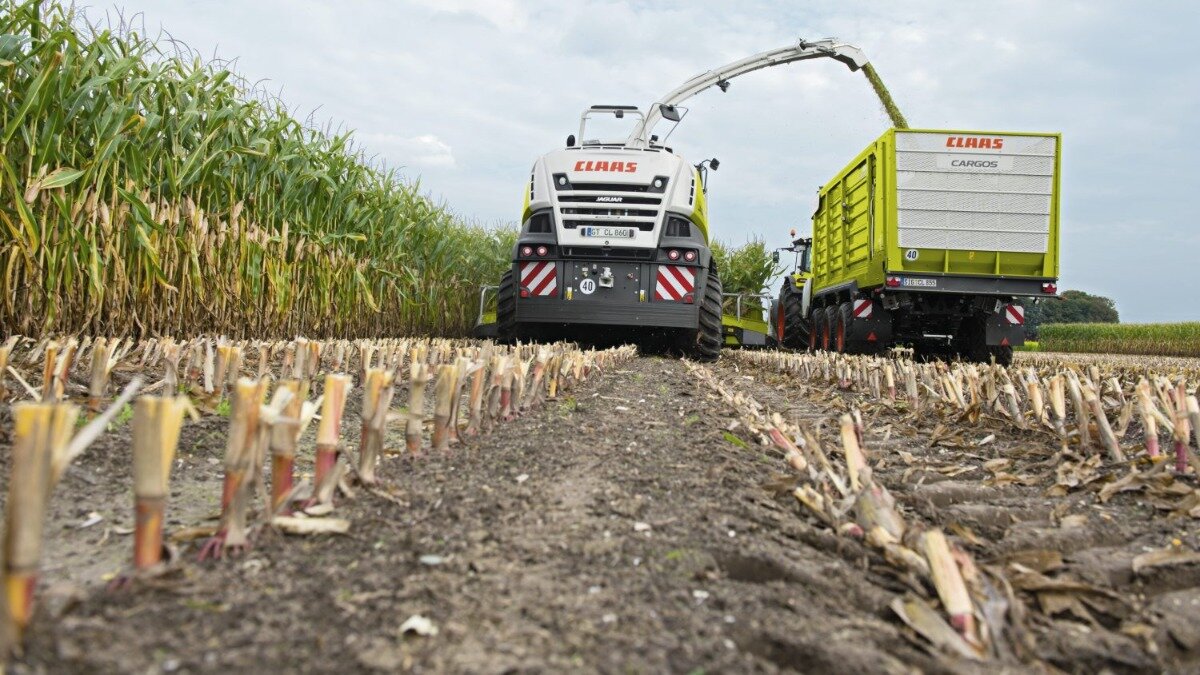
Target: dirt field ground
(631, 526)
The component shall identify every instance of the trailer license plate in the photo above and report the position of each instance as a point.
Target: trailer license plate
(608, 232)
(919, 283)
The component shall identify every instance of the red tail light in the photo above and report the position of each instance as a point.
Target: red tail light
(689, 298)
(526, 251)
(1050, 287)
(673, 254)
(689, 256)
(524, 292)
(542, 251)
(893, 282)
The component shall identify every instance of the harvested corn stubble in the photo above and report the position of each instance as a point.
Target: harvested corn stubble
(337, 387)
(156, 425)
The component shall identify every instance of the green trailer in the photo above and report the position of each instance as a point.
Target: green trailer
(932, 239)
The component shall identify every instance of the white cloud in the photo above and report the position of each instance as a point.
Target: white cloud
(423, 151)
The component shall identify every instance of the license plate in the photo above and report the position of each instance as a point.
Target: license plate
(608, 232)
(919, 283)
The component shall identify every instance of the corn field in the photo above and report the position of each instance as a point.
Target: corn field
(1151, 339)
(147, 192)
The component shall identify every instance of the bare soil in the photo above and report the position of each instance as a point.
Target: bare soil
(621, 528)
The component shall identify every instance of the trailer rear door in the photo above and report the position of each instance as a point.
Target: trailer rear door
(975, 203)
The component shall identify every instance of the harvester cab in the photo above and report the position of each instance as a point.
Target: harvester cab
(614, 232)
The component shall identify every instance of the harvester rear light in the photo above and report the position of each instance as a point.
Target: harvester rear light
(524, 292)
(526, 251)
(1050, 287)
(542, 251)
(893, 282)
(689, 298)
(673, 254)
(689, 256)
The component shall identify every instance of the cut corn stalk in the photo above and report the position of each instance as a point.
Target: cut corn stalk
(156, 425)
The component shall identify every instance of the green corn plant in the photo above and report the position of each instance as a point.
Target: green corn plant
(145, 192)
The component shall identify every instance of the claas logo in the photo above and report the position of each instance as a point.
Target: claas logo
(619, 167)
(974, 142)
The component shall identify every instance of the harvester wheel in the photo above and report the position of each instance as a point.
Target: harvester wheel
(506, 307)
(709, 337)
(793, 333)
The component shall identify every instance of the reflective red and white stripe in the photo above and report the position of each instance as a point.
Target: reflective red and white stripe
(539, 278)
(1015, 314)
(674, 282)
(862, 309)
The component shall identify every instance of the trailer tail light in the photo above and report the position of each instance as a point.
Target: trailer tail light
(689, 256)
(689, 299)
(893, 282)
(524, 292)
(673, 254)
(1050, 287)
(526, 251)
(542, 251)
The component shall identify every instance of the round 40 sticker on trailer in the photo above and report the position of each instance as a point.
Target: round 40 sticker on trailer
(587, 286)
(911, 254)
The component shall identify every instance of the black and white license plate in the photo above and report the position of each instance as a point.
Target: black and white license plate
(919, 283)
(608, 232)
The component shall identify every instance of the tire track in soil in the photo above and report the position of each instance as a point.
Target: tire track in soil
(640, 539)
(1080, 538)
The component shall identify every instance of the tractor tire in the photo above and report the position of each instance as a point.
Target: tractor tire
(816, 329)
(793, 333)
(506, 308)
(845, 316)
(707, 346)
(831, 322)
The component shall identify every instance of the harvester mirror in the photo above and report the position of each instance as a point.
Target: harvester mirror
(669, 112)
(715, 164)
(775, 257)
(571, 141)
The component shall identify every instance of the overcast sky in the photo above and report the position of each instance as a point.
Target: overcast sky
(465, 94)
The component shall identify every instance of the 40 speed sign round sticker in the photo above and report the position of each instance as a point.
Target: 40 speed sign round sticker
(911, 254)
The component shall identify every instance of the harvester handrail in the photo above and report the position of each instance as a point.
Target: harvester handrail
(739, 296)
(483, 291)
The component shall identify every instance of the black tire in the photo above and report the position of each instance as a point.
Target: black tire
(831, 320)
(794, 333)
(970, 343)
(845, 318)
(1003, 355)
(709, 337)
(506, 308)
(816, 329)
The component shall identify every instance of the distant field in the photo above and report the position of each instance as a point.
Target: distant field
(1151, 339)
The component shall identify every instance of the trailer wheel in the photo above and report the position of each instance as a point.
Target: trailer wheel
(708, 339)
(844, 319)
(792, 331)
(506, 308)
(814, 330)
(970, 343)
(1003, 355)
(817, 329)
(831, 319)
